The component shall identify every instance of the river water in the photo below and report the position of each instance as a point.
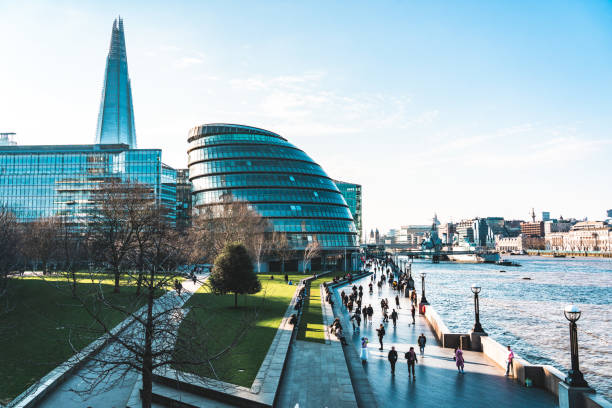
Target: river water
(528, 314)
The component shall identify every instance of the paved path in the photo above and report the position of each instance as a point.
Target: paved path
(316, 374)
(109, 393)
(437, 384)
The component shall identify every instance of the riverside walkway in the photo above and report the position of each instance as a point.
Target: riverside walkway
(76, 391)
(438, 383)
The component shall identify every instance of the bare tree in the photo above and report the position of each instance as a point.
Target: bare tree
(231, 221)
(312, 250)
(113, 226)
(10, 244)
(40, 241)
(282, 249)
(153, 343)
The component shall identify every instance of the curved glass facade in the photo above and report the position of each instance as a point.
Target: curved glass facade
(280, 181)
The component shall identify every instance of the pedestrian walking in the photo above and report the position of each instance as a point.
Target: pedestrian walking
(413, 312)
(370, 313)
(392, 356)
(411, 359)
(364, 350)
(178, 286)
(509, 360)
(421, 342)
(397, 303)
(394, 317)
(356, 321)
(459, 359)
(364, 311)
(381, 334)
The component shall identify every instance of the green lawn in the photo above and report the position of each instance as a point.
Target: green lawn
(257, 317)
(311, 326)
(42, 318)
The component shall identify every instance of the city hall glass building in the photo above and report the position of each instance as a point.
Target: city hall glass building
(280, 181)
(46, 181)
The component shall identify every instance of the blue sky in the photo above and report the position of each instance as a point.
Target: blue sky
(460, 108)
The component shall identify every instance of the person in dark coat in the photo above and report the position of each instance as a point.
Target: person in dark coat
(392, 356)
(411, 359)
(394, 316)
(381, 334)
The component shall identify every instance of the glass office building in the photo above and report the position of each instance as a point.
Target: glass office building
(352, 196)
(45, 181)
(280, 181)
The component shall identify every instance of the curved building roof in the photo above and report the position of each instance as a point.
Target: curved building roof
(280, 181)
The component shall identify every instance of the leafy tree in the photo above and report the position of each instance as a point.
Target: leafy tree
(233, 272)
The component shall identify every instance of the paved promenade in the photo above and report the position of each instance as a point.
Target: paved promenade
(437, 384)
(107, 393)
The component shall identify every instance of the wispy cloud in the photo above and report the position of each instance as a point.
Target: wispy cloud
(186, 62)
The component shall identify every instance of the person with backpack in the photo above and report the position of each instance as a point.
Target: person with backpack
(392, 356)
(411, 359)
(381, 334)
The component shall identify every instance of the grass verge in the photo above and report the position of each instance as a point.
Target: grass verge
(250, 328)
(40, 321)
(311, 326)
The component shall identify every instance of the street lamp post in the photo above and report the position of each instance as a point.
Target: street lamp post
(423, 298)
(574, 376)
(477, 327)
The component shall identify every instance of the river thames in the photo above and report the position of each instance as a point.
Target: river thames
(528, 313)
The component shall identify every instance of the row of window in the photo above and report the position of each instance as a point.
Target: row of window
(271, 194)
(255, 165)
(302, 210)
(204, 130)
(325, 240)
(237, 138)
(25, 180)
(84, 158)
(228, 152)
(261, 179)
(312, 225)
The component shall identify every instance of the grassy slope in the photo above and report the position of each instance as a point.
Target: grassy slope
(264, 312)
(42, 319)
(311, 323)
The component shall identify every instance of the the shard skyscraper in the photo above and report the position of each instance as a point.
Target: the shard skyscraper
(116, 117)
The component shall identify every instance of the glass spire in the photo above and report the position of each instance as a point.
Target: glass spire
(116, 117)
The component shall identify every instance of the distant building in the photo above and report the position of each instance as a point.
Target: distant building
(557, 226)
(183, 198)
(465, 231)
(510, 244)
(446, 232)
(532, 229)
(609, 213)
(584, 236)
(352, 196)
(7, 139)
(545, 216)
(412, 235)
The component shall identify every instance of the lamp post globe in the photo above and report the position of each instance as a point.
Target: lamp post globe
(477, 327)
(574, 376)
